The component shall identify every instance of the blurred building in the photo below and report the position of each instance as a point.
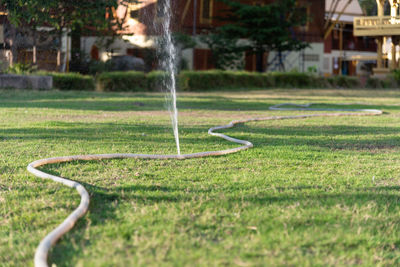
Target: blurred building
(333, 48)
(194, 17)
(385, 28)
(345, 53)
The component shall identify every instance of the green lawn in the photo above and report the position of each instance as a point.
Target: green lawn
(312, 192)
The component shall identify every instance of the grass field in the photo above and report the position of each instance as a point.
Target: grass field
(312, 192)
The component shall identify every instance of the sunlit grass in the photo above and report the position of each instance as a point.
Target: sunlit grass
(312, 192)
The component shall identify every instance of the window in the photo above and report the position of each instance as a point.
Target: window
(311, 57)
(206, 8)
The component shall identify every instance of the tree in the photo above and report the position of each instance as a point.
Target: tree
(369, 7)
(182, 42)
(266, 27)
(226, 53)
(63, 16)
(31, 16)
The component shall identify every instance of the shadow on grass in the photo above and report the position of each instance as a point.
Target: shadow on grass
(335, 137)
(103, 206)
(331, 137)
(150, 102)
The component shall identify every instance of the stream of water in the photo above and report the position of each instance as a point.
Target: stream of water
(168, 64)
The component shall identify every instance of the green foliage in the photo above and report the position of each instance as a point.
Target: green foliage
(390, 81)
(294, 79)
(95, 67)
(312, 69)
(207, 80)
(83, 63)
(342, 81)
(155, 80)
(183, 41)
(217, 79)
(369, 7)
(375, 83)
(21, 68)
(63, 15)
(396, 74)
(267, 27)
(226, 53)
(122, 81)
(72, 81)
(26, 12)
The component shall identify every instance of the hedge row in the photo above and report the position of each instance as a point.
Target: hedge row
(71, 81)
(206, 80)
(215, 80)
(130, 81)
(122, 81)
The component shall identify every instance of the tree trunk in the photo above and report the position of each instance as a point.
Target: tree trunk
(58, 68)
(34, 55)
(260, 60)
(59, 52)
(76, 55)
(13, 45)
(281, 65)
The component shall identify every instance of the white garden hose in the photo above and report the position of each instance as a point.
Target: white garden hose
(45, 245)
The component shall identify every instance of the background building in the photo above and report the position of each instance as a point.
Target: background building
(333, 49)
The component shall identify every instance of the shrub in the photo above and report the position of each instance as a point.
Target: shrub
(343, 81)
(21, 68)
(95, 67)
(393, 80)
(200, 80)
(294, 79)
(155, 80)
(396, 74)
(245, 79)
(374, 83)
(71, 81)
(122, 81)
(217, 79)
(209, 80)
(321, 82)
(390, 81)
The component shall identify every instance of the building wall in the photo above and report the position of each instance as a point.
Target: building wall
(356, 51)
(305, 60)
(349, 58)
(145, 22)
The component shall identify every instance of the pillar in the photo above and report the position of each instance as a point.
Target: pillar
(393, 59)
(341, 48)
(395, 43)
(393, 7)
(379, 42)
(380, 4)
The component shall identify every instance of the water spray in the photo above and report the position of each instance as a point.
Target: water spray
(168, 65)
